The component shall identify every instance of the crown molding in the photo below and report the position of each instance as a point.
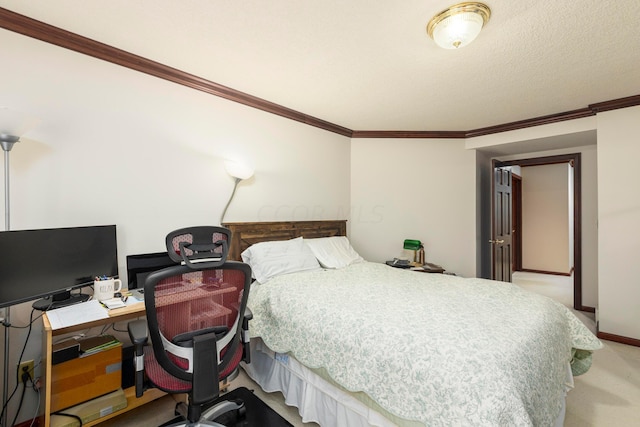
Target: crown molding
(48, 33)
(536, 121)
(407, 134)
(615, 104)
(30, 27)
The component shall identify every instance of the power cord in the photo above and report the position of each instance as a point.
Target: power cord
(34, 420)
(18, 378)
(26, 376)
(64, 414)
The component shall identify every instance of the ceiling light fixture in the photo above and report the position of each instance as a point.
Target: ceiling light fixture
(458, 25)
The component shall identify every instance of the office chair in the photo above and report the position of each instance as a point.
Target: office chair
(197, 322)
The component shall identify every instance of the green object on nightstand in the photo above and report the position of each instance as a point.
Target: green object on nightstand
(412, 245)
(418, 254)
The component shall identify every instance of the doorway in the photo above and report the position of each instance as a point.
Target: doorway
(574, 160)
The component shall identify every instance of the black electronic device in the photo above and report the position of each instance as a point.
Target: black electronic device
(399, 263)
(64, 351)
(52, 262)
(128, 367)
(141, 265)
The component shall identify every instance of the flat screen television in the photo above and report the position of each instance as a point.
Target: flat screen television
(141, 265)
(50, 263)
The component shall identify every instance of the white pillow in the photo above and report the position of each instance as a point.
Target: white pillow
(333, 252)
(271, 259)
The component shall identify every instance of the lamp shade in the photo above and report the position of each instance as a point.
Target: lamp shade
(238, 170)
(412, 245)
(459, 25)
(15, 123)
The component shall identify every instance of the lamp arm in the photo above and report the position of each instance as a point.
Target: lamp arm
(235, 185)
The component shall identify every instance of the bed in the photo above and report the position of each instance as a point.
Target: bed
(351, 342)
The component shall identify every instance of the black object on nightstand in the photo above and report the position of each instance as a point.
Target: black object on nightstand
(429, 268)
(399, 263)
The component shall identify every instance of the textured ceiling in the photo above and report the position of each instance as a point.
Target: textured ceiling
(369, 65)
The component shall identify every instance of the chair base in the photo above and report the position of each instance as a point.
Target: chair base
(210, 414)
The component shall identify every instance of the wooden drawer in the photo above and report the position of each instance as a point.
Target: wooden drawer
(85, 378)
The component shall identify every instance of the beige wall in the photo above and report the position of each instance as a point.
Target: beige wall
(545, 218)
(619, 222)
(414, 189)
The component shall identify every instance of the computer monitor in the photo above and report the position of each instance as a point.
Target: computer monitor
(50, 263)
(141, 265)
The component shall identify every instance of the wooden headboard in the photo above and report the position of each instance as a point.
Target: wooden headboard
(245, 234)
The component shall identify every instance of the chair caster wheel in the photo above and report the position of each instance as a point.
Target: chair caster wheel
(242, 410)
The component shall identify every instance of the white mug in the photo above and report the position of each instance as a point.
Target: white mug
(104, 289)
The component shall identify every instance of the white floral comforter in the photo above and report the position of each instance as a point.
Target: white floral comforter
(439, 349)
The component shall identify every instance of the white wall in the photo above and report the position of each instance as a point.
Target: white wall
(545, 218)
(619, 222)
(414, 189)
(114, 146)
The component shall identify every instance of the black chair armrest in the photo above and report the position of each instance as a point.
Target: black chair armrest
(138, 332)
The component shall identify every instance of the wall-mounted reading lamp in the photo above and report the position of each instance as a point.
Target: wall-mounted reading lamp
(418, 251)
(239, 172)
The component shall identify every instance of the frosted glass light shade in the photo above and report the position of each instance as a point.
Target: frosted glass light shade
(459, 25)
(238, 170)
(15, 123)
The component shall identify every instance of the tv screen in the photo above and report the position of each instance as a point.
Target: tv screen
(51, 262)
(141, 265)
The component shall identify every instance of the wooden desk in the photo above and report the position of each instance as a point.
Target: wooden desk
(117, 315)
(198, 306)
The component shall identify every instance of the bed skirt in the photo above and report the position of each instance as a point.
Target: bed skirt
(317, 399)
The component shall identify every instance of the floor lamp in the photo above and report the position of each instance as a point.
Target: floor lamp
(239, 172)
(7, 142)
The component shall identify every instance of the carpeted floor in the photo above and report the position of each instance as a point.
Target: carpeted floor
(609, 393)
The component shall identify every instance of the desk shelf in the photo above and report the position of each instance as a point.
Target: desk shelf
(133, 402)
(117, 315)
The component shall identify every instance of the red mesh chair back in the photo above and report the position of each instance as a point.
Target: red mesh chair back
(195, 314)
